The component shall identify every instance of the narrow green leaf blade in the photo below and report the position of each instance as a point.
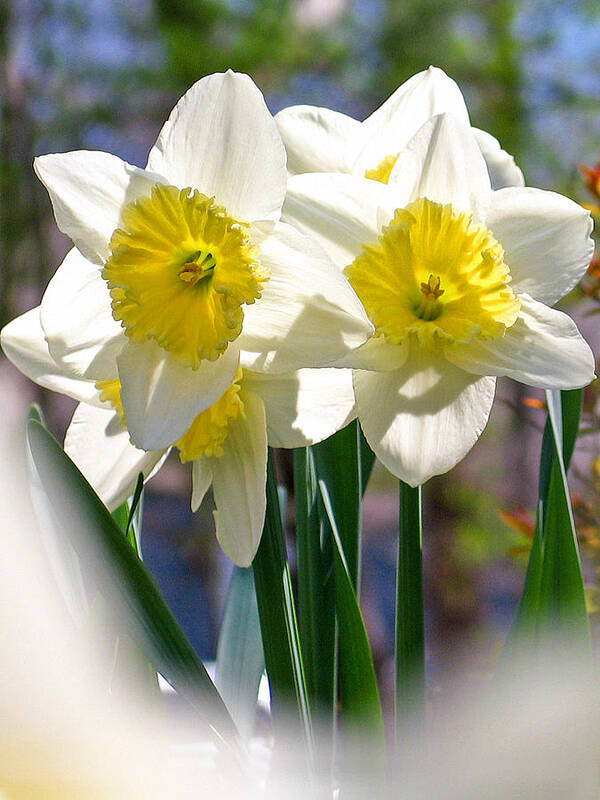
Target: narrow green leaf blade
(524, 627)
(240, 659)
(338, 462)
(35, 412)
(359, 693)
(562, 595)
(367, 460)
(106, 555)
(553, 600)
(316, 590)
(410, 626)
(279, 629)
(362, 760)
(121, 515)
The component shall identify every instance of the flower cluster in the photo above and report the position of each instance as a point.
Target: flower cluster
(218, 302)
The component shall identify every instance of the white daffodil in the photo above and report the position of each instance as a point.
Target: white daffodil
(321, 140)
(457, 280)
(226, 443)
(193, 273)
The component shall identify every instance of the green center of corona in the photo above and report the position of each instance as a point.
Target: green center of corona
(436, 274)
(180, 272)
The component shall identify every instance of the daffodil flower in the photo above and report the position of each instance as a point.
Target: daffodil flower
(183, 271)
(321, 140)
(226, 443)
(457, 280)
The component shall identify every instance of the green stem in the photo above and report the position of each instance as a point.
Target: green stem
(316, 590)
(283, 659)
(339, 463)
(410, 627)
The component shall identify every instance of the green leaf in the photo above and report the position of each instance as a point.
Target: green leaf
(367, 460)
(240, 659)
(553, 600)
(359, 699)
(281, 645)
(35, 412)
(316, 590)
(524, 627)
(339, 462)
(133, 529)
(121, 516)
(410, 627)
(128, 515)
(562, 607)
(363, 755)
(108, 559)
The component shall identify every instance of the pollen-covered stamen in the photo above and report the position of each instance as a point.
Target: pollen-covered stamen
(426, 252)
(429, 308)
(181, 271)
(199, 266)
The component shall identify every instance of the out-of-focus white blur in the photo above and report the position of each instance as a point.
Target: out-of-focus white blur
(70, 730)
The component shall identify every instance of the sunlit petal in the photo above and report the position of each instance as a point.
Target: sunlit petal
(543, 348)
(306, 406)
(88, 190)
(101, 448)
(423, 418)
(239, 478)
(221, 139)
(161, 398)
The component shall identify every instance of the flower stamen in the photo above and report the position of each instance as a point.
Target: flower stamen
(429, 308)
(170, 243)
(399, 278)
(198, 267)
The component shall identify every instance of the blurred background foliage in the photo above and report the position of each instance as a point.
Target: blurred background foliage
(103, 74)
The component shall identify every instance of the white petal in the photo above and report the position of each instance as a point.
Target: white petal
(501, 165)
(88, 189)
(76, 316)
(308, 315)
(202, 477)
(239, 478)
(221, 139)
(100, 446)
(306, 406)
(543, 348)
(443, 162)
(340, 211)
(546, 240)
(161, 398)
(24, 344)
(423, 418)
(315, 138)
(388, 130)
(375, 354)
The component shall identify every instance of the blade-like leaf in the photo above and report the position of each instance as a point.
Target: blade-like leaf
(316, 590)
(553, 600)
(133, 529)
(562, 596)
(35, 412)
(362, 758)
(367, 460)
(240, 659)
(281, 645)
(410, 628)
(338, 463)
(106, 555)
